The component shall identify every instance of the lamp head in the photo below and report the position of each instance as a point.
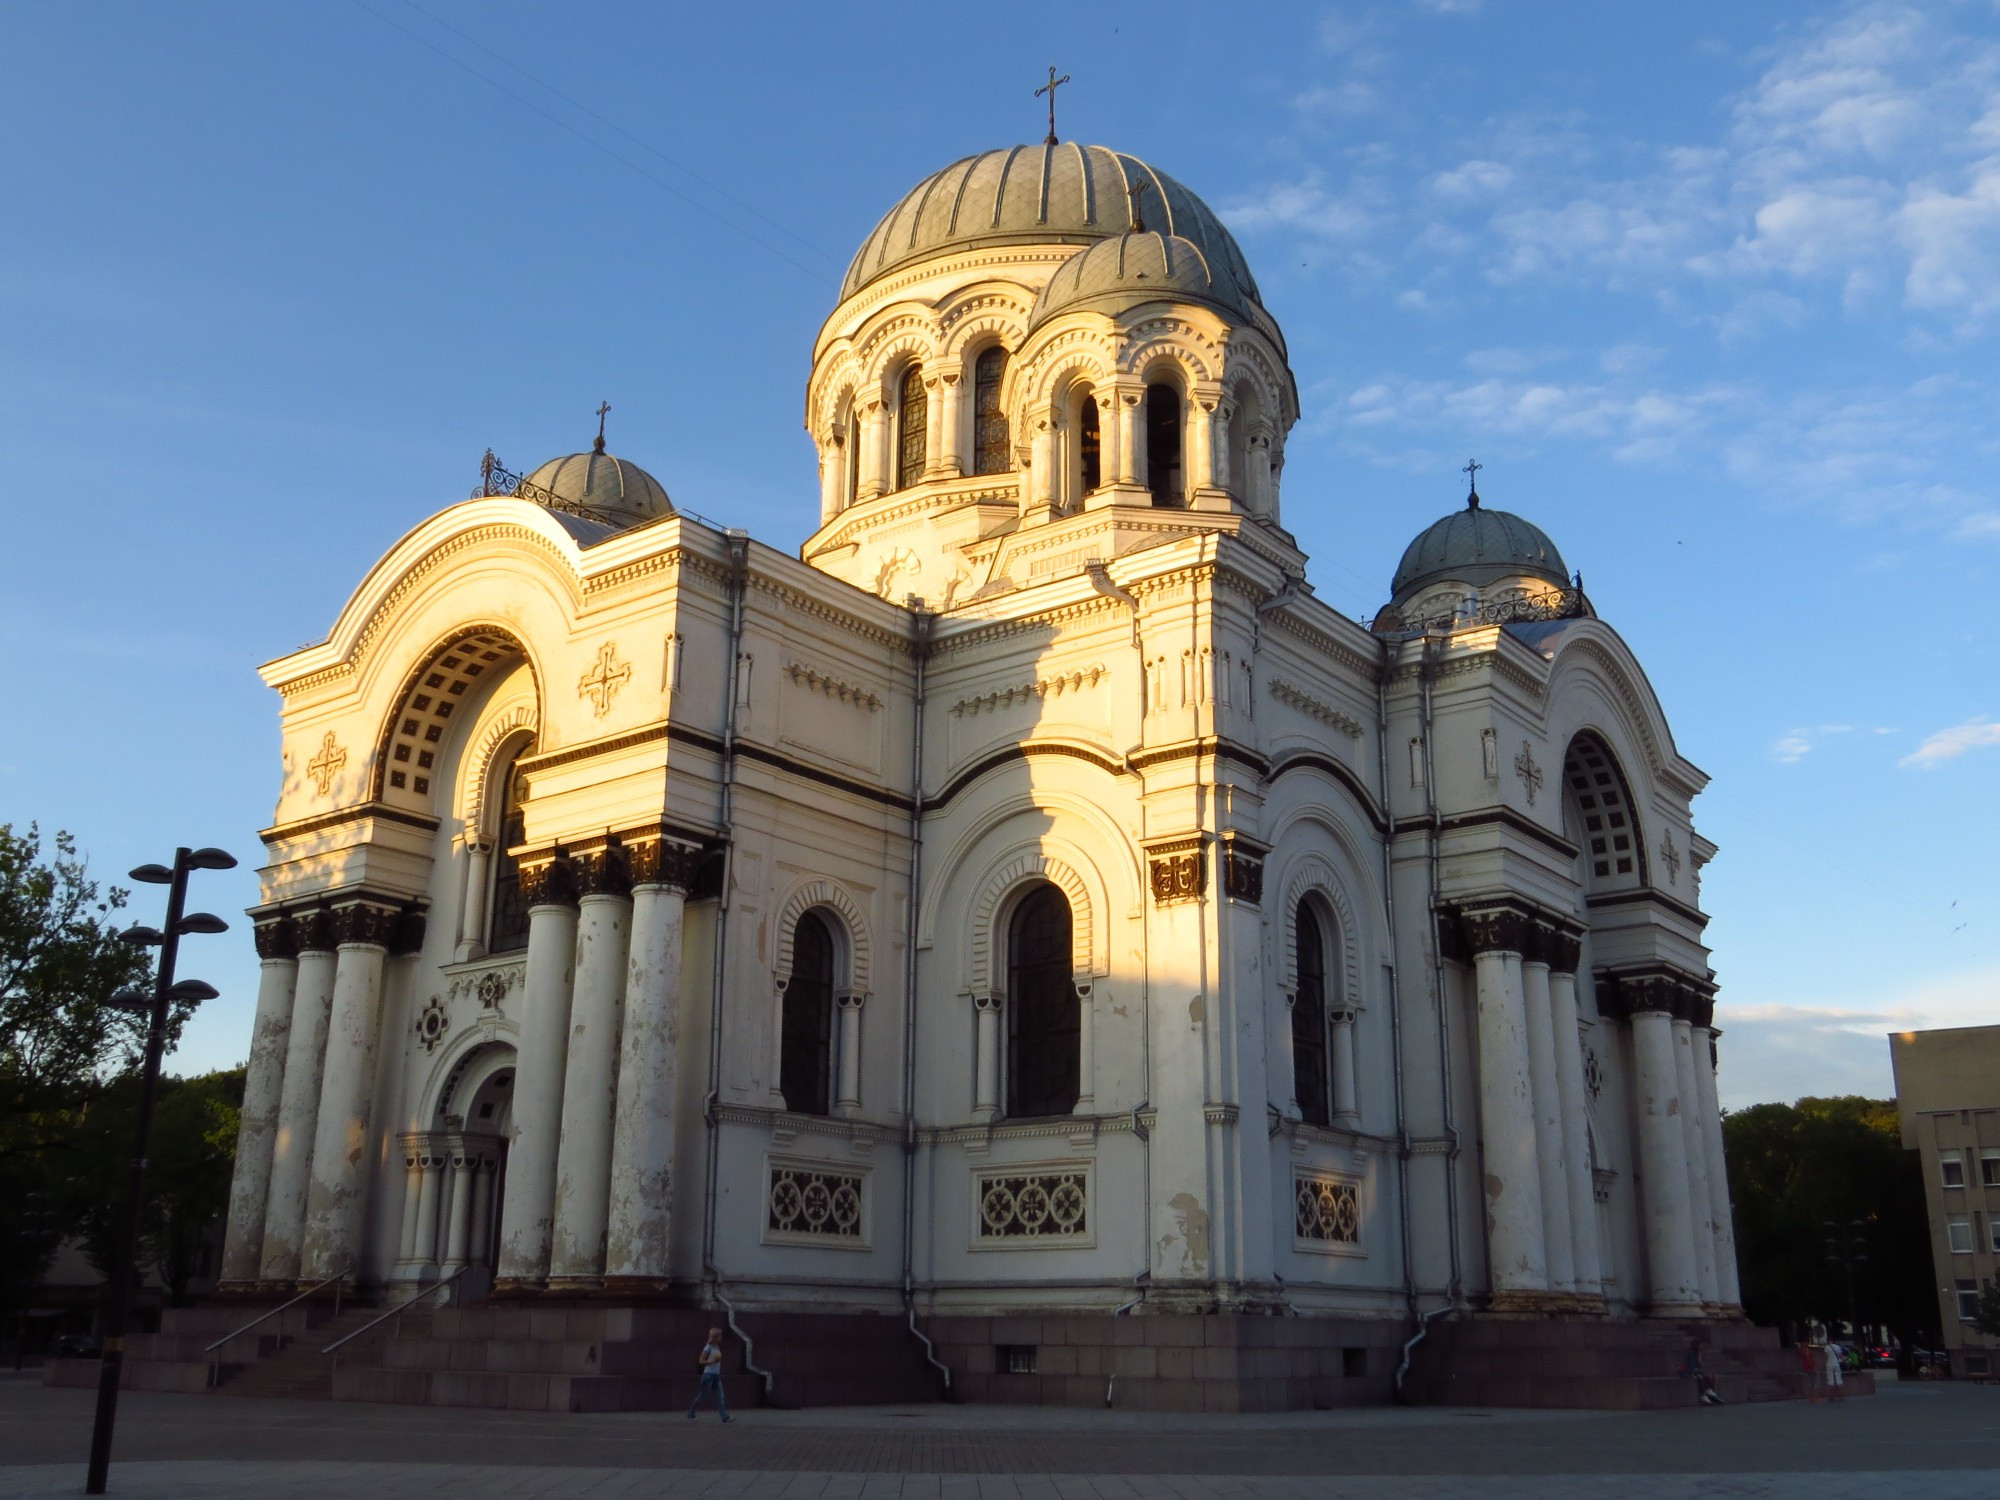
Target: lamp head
(204, 922)
(142, 937)
(153, 875)
(133, 999)
(211, 859)
(193, 991)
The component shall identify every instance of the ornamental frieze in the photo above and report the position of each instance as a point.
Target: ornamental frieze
(1178, 871)
(1242, 873)
(553, 883)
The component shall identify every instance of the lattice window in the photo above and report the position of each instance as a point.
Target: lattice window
(1326, 1211)
(814, 1205)
(912, 429)
(991, 450)
(1039, 1206)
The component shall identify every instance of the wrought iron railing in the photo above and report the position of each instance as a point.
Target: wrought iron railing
(1472, 612)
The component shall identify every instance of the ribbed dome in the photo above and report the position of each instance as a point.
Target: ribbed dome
(1142, 266)
(1477, 546)
(1065, 194)
(599, 486)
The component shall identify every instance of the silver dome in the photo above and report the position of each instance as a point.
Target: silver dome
(600, 487)
(1143, 266)
(1477, 546)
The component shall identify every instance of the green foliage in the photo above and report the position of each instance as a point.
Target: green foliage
(1795, 1167)
(1986, 1311)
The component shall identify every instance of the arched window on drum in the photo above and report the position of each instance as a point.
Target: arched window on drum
(991, 442)
(1044, 1013)
(805, 1063)
(912, 428)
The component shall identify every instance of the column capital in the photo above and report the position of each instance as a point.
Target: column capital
(314, 930)
(277, 938)
(1565, 952)
(851, 999)
(992, 1003)
(664, 861)
(551, 880)
(604, 872)
(1243, 870)
(368, 922)
(1655, 989)
(1501, 930)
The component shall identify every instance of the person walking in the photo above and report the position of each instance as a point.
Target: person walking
(1833, 1374)
(710, 1362)
(1809, 1367)
(1704, 1384)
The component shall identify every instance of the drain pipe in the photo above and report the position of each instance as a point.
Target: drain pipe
(739, 573)
(1427, 676)
(922, 621)
(1111, 1385)
(1409, 1349)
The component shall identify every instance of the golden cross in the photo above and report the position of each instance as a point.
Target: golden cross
(323, 767)
(603, 410)
(1050, 88)
(602, 682)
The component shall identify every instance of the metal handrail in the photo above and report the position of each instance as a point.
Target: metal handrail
(749, 1349)
(214, 1365)
(397, 1311)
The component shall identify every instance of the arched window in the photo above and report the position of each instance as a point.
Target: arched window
(507, 926)
(1089, 448)
(851, 452)
(1044, 1016)
(990, 453)
(805, 1061)
(1309, 1076)
(1163, 445)
(912, 427)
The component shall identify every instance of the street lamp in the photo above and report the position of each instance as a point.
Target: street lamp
(157, 1006)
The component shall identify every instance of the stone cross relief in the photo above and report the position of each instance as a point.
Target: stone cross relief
(1528, 771)
(1671, 856)
(323, 767)
(606, 676)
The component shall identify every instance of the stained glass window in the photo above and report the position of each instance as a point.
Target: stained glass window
(1044, 1016)
(1309, 1022)
(989, 423)
(912, 424)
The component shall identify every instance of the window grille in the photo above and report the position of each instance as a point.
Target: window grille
(912, 428)
(1034, 1206)
(1326, 1211)
(814, 1204)
(990, 438)
(1014, 1359)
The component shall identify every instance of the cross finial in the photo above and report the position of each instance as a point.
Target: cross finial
(1138, 213)
(1050, 88)
(603, 410)
(1471, 469)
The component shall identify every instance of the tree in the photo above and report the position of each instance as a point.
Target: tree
(60, 1037)
(1986, 1311)
(1794, 1168)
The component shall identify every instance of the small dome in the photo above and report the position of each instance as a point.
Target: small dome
(1142, 266)
(1064, 194)
(1477, 546)
(599, 487)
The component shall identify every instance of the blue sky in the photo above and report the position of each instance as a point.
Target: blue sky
(1712, 290)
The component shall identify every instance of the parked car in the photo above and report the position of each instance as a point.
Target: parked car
(77, 1346)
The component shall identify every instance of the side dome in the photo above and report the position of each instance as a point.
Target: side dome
(1477, 546)
(599, 487)
(1065, 194)
(1143, 266)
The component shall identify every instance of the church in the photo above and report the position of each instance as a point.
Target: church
(1024, 920)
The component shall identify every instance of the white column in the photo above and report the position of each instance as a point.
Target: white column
(1663, 1183)
(430, 1183)
(413, 1185)
(1728, 1284)
(874, 450)
(986, 1074)
(263, 1087)
(1701, 1223)
(1514, 1234)
(1209, 450)
(1257, 483)
(1581, 1190)
(1044, 487)
(1086, 1045)
(527, 1217)
(338, 1192)
(458, 1219)
(1124, 435)
(1550, 1150)
(832, 473)
(298, 1102)
(847, 1096)
(590, 1083)
(1283, 1050)
(1346, 1094)
(484, 1168)
(642, 1138)
(947, 442)
(472, 911)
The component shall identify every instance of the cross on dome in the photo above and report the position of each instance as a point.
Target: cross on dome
(1050, 88)
(1471, 469)
(603, 410)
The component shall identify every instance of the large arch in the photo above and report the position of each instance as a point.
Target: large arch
(435, 692)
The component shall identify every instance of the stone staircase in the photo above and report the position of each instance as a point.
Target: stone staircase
(298, 1367)
(1601, 1365)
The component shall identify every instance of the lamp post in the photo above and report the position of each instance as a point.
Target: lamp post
(157, 1006)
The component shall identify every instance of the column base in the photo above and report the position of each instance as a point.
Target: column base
(1530, 1304)
(1209, 498)
(646, 1288)
(1675, 1312)
(517, 1286)
(573, 1286)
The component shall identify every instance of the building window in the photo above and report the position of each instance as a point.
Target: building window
(1089, 446)
(1044, 1017)
(1968, 1299)
(1993, 1231)
(805, 1061)
(507, 927)
(912, 427)
(1951, 1169)
(1309, 1078)
(1163, 445)
(851, 451)
(1989, 1169)
(1958, 1234)
(990, 439)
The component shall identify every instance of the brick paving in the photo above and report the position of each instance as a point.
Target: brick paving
(1940, 1442)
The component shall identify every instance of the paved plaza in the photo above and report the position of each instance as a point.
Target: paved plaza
(1939, 1442)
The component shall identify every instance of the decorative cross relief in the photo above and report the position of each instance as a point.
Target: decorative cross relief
(606, 676)
(323, 767)
(1528, 771)
(1671, 857)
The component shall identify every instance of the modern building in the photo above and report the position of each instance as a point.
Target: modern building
(1025, 900)
(1948, 1095)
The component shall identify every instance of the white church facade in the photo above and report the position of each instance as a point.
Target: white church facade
(1025, 900)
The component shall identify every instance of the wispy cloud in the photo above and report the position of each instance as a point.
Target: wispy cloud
(1796, 744)
(1949, 744)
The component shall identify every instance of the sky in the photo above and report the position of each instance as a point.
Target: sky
(1711, 290)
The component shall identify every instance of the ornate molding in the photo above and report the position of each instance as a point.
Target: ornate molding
(1177, 870)
(603, 678)
(1314, 708)
(368, 923)
(1046, 687)
(833, 687)
(604, 872)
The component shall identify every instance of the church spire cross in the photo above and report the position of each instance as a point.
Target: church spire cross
(1050, 88)
(1471, 470)
(603, 411)
(1136, 192)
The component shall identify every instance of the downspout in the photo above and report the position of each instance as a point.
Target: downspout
(739, 572)
(1427, 676)
(921, 624)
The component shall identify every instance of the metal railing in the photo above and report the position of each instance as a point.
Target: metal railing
(749, 1349)
(337, 1282)
(395, 1312)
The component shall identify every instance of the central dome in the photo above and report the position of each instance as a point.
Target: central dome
(1063, 194)
(1477, 546)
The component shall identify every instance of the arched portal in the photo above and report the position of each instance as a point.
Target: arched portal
(437, 697)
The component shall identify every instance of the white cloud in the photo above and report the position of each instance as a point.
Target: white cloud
(1473, 179)
(1949, 744)
(1307, 206)
(1796, 744)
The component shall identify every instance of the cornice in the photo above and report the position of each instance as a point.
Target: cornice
(319, 822)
